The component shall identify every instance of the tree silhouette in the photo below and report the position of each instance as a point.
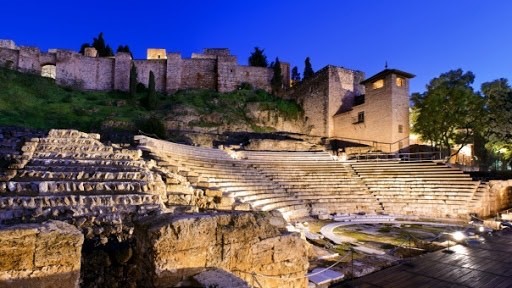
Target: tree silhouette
(258, 58)
(277, 79)
(308, 70)
(295, 75)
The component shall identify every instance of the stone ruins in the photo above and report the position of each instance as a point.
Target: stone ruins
(215, 69)
(338, 103)
(75, 212)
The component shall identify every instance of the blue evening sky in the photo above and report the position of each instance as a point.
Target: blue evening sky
(426, 37)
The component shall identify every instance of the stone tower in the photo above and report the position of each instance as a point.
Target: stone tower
(379, 118)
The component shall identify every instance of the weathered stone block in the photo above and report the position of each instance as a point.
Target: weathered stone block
(40, 255)
(174, 248)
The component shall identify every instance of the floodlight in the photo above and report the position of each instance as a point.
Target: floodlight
(458, 236)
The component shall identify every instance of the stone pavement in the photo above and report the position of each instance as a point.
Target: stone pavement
(481, 265)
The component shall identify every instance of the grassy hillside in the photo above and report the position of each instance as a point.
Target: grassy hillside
(37, 102)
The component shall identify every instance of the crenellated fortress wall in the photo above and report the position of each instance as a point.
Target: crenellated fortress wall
(214, 69)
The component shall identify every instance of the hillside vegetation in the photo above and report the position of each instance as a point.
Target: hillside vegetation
(36, 102)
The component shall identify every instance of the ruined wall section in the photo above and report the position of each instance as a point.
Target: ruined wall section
(159, 68)
(213, 69)
(313, 95)
(171, 249)
(198, 74)
(40, 255)
(9, 58)
(343, 87)
(122, 66)
(257, 76)
(28, 60)
(83, 72)
(227, 79)
(173, 72)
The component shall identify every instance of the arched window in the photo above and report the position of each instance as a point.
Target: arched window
(49, 71)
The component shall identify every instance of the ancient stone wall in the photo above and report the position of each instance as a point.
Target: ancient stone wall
(29, 60)
(214, 69)
(40, 255)
(174, 248)
(497, 197)
(313, 95)
(257, 76)
(158, 67)
(9, 58)
(122, 67)
(83, 72)
(198, 73)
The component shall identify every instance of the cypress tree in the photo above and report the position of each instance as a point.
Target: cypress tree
(133, 82)
(258, 58)
(277, 79)
(308, 70)
(151, 98)
(295, 75)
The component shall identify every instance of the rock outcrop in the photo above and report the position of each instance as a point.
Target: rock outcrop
(174, 248)
(40, 255)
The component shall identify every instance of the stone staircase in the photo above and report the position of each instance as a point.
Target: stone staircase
(72, 174)
(303, 183)
(421, 189)
(215, 170)
(326, 185)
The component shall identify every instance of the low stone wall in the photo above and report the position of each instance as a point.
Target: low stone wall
(40, 255)
(173, 248)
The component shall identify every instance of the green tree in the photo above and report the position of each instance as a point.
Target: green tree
(258, 58)
(133, 82)
(99, 44)
(308, 69)
(104, 49)
(277, 78)
(498, 102)
(295, 75)
(449, 112)
(151, 101)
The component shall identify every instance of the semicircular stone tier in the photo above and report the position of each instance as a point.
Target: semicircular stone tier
(69, 174)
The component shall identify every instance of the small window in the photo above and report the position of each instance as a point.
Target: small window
(378, 84)
(400, 82)
(360, 117)
(400, 128)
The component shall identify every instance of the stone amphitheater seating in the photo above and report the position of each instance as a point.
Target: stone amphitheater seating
(326, 185)
(422, 188)
(73, 172)
(216, 170)
(293, 181)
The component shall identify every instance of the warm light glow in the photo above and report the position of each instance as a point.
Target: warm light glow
(49, 71)
(400, 82)
(378, 84)
(155, 54)
(481, 229)
(458, 236)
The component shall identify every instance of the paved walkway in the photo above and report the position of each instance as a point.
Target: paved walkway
(485, 265)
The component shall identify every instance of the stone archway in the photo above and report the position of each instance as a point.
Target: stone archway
(49, 70)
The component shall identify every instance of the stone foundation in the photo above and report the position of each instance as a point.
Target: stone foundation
(40, 255)
(173, 248)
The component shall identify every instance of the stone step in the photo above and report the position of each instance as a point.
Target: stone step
(80, 168)
(83, 176)
(49, 162)
(68, 187)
